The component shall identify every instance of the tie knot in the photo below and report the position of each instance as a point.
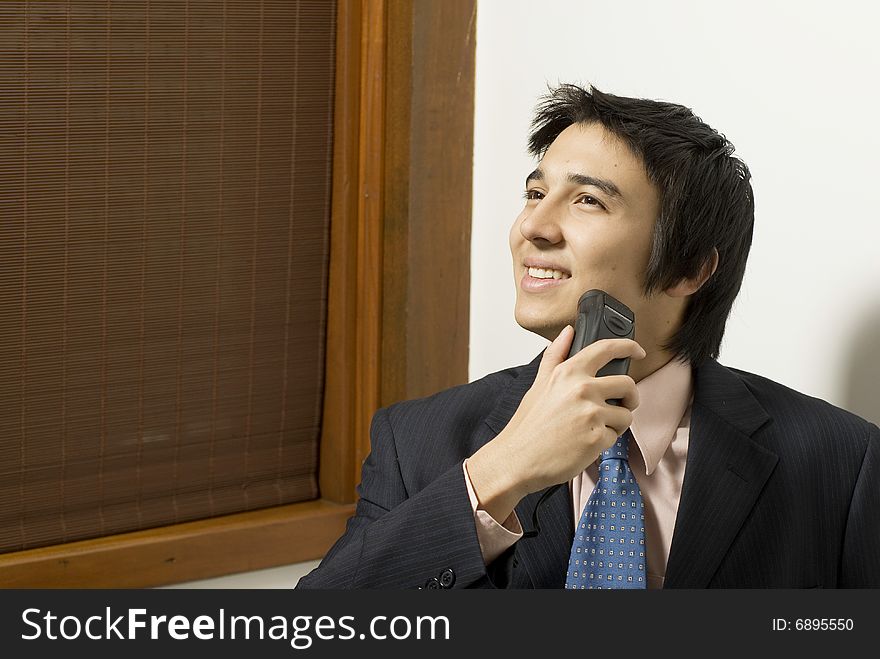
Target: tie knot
(620, 450)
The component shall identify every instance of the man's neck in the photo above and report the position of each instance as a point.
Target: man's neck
(656, 359)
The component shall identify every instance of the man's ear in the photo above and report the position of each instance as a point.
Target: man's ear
(690, 286)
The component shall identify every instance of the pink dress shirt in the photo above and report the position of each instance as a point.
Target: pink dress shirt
(661, 428)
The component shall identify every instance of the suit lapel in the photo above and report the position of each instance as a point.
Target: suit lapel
(512, 396)
(544, 557)
(725, 473)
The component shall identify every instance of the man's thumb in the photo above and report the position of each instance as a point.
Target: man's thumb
(556, 352)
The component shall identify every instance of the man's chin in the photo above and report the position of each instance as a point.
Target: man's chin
(545, 328)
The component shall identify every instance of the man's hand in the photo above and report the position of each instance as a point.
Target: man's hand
(562, 424)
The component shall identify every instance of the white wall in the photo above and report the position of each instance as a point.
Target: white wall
(792, 84)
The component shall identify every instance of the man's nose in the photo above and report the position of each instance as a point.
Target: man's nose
(541, 223)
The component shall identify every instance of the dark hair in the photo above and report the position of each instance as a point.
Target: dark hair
(706, 200)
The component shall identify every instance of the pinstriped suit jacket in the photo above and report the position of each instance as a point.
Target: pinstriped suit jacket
(781, 490)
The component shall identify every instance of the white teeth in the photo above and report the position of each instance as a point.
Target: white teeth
(541, 273)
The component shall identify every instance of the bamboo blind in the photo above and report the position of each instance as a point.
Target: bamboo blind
(164, 218)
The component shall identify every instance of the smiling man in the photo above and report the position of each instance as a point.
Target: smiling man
(703, 476)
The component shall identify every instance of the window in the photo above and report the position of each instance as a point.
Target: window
(382, 94)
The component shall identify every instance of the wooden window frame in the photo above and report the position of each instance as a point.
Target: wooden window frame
(399, 294)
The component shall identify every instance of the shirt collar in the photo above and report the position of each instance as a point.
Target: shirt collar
(664, 397)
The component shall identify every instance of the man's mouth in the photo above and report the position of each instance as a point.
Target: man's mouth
(547, 273)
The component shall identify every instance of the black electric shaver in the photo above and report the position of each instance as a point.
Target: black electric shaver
(601, 316)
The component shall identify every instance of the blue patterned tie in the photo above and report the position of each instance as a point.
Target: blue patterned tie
(609, 543)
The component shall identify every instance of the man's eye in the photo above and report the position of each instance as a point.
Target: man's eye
(589, 200)
(531, 195)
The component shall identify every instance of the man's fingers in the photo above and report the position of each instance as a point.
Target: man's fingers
(598, 354)
(556, 352)
(619, 419)
(618, 387)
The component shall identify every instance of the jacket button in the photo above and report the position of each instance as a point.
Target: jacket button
(515, 563)
(447, 578)
(433, 583)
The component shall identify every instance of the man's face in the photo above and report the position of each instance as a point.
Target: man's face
(587, 223)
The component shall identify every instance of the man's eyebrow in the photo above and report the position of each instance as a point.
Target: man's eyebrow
(536, 175)
(581, 179)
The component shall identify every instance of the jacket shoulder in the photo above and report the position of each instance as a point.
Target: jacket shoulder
(802, 410)
(429, 435)
(472, 400)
